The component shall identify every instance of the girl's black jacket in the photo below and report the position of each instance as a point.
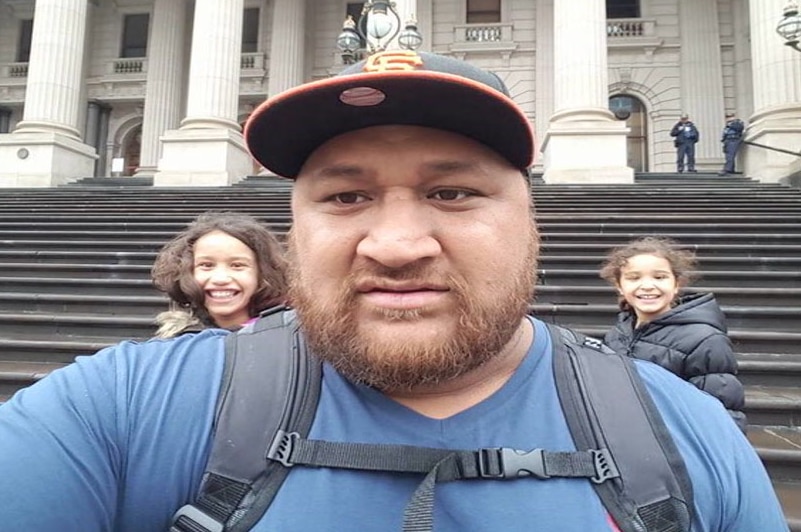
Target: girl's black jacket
(691, 341)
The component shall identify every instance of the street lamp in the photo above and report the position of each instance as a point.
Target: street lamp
(789, 26)
(378, 24)
(410, 38)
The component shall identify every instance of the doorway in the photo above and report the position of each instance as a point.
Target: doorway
(632, 110)
(131, 150)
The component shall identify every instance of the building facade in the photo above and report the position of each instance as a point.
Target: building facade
(161, 87)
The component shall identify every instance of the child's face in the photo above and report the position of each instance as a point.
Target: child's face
(227, 271)
(648, 285)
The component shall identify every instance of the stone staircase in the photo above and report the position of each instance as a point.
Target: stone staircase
(75, 263)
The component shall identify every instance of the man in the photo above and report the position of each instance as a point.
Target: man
(413, 254)
(731, 138)
(685, 136)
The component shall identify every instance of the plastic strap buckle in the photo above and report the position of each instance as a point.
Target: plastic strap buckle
(189, 518)
(282, 446)
(605, 467)
(505, 463)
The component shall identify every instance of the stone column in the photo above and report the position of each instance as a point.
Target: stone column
(544, 70)
(702, 78)
(163, 91)
(584, 142)
(743, 83)
(208, 148)
(287, 45)
(45, 149)
(777, 98)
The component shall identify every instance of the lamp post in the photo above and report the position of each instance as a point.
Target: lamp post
(789, 27)
(378, 24)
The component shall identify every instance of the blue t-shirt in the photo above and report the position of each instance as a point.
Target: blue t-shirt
(118, 441)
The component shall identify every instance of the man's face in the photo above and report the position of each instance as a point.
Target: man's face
(413, 254)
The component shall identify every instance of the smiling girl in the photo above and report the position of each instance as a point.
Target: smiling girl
(221, 271)
(682, 332)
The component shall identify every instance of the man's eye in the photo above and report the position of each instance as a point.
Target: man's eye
(450, 194)
(348, 198)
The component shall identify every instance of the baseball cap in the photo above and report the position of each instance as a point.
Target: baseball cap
(397, 87)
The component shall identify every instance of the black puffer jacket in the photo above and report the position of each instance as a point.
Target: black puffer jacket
(691, 341)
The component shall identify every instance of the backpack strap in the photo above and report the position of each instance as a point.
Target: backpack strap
(239, 482)
(607, 406)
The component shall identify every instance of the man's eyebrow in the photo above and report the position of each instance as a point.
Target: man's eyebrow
(340, 170)
(448, 166)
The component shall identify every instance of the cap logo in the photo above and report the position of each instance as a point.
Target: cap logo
(393, 60)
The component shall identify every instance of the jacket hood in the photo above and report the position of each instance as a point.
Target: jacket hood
(171, 323)
(695, 308)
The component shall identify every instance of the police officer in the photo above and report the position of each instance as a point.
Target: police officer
(731, 138)
(685, 136)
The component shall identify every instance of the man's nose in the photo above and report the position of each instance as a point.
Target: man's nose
(400, 233)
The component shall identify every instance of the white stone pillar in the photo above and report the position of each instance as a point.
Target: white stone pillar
(544, 70)
(743, 82)
(702, 78)
(584, 142)
(208, 148)
(45, 149)
(163, 91)
(776, 120)
(287, 50)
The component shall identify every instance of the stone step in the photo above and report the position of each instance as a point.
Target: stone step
(790, 498)
(63, 350)
(743, 341)
(774, 406)
(554, 249)
(17, 375)
(81, 303)
(775, 318)
(719, 248)
(75, 271)
(85, 286)
(159, 219)
(769, 369)
(575, 295)
(101, 256)
(687, 239)
(666, 227)
(710, 278)
(44, 325)
(706, 263)
(546, 261)
(704, 235)
(546, 277)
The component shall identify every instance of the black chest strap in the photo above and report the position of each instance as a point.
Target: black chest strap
(623, 447)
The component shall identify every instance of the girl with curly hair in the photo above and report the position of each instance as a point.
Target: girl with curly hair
(221, 271)
(682, 332)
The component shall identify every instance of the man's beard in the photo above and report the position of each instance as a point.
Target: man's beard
(485, 324)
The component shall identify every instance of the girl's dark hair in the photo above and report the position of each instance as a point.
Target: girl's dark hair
(173, 270)
(682, 261)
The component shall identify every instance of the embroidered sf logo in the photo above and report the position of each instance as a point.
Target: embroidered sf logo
(393, 60)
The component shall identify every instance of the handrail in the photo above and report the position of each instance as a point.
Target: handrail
(758, 145)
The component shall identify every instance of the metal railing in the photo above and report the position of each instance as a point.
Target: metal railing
(772, 148)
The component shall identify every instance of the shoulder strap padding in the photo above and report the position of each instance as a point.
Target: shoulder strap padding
(268, 360)
(606, 405)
